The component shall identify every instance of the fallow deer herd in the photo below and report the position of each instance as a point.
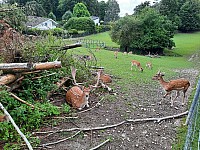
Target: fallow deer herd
(78, 96)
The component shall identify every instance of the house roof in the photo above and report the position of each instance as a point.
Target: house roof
(35, 20)
(94, 17)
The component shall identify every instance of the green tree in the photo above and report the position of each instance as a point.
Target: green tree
(52, 16)
(80, 10)
(170, 8)
(139, 8)
(33, 8)
(112, 11)
(190, 16)
(149, 31)
(102, 9)
(67, 15)
(81, 24)
(15, 17)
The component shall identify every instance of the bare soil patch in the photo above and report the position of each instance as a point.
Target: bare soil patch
(140, 101)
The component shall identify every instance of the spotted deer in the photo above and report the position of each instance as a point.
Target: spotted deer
(137, 64)
(176, 85)
(78, 97)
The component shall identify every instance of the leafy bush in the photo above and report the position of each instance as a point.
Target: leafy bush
(81, 23)
(102, 28)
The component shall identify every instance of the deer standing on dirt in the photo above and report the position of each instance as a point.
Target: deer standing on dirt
(137, 64)
(149, 65)
(177, 85)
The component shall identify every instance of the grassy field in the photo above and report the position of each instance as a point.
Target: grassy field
(186, 45)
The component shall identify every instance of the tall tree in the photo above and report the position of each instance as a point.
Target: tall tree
(190, 16)
(102, 9)
(80, 10)
(139, 8)
(112, 11)
(33, 8)
(147, 31)
(170, 8)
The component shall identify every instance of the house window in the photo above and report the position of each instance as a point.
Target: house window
(45, 24)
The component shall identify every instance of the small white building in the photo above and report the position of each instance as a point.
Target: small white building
(95, 19)
(41, 23)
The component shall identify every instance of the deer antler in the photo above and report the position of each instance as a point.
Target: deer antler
(73, 72)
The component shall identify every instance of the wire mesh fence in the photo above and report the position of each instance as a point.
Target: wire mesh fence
(192, 141)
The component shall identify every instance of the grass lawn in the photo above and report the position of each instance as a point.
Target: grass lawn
(186, 45)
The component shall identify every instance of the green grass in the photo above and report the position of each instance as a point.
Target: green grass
(186, 45)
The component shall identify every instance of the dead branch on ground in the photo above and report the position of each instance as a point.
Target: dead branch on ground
(117, 124)
(96, 147)
(19, 99)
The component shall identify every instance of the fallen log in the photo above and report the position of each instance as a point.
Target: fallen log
(6, 79)
(5, 66)
(35, 66)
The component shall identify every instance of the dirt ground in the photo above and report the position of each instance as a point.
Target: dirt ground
(139, 102)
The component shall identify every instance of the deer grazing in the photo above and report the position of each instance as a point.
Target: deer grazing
(129, 53)
(177, 85)
(76, 96)
(137, 64)
(149, 65)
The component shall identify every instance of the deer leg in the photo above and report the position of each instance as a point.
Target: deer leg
(87, 104)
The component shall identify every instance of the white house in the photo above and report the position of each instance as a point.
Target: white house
(41, 23)
(95, 19)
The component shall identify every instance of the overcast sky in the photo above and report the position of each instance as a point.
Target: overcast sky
(127, 6)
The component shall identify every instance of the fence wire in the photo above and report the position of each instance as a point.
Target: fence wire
(193, 118)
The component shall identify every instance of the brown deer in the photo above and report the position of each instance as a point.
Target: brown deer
(137, 64)
(105, 78)
(116, 54)
(149, 65)
(78, 97)
(177, 85)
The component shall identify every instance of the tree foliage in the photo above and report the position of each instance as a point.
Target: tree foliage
(81, 24)
(52, 16)
(139, 8)
(80, 10)
(190, 16)
(112, 11)
(147, 31)
(33, 8)
(67, 15)
(15, 17)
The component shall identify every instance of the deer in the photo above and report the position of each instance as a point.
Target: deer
(149, 65)
(129, 53)
(176, 85)
(137, 64)
(78, 96)
(125, 53)
(116, 54)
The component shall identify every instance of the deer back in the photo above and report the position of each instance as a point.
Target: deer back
(77, 97)
(3, 118)
(105, 78)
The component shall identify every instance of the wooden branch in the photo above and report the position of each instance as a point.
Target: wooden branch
(96, 147)
(5, 66)
(117, 124)
(47, 144)
(36, 66)
(16, 127)
(19, 99)
(44, 76)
